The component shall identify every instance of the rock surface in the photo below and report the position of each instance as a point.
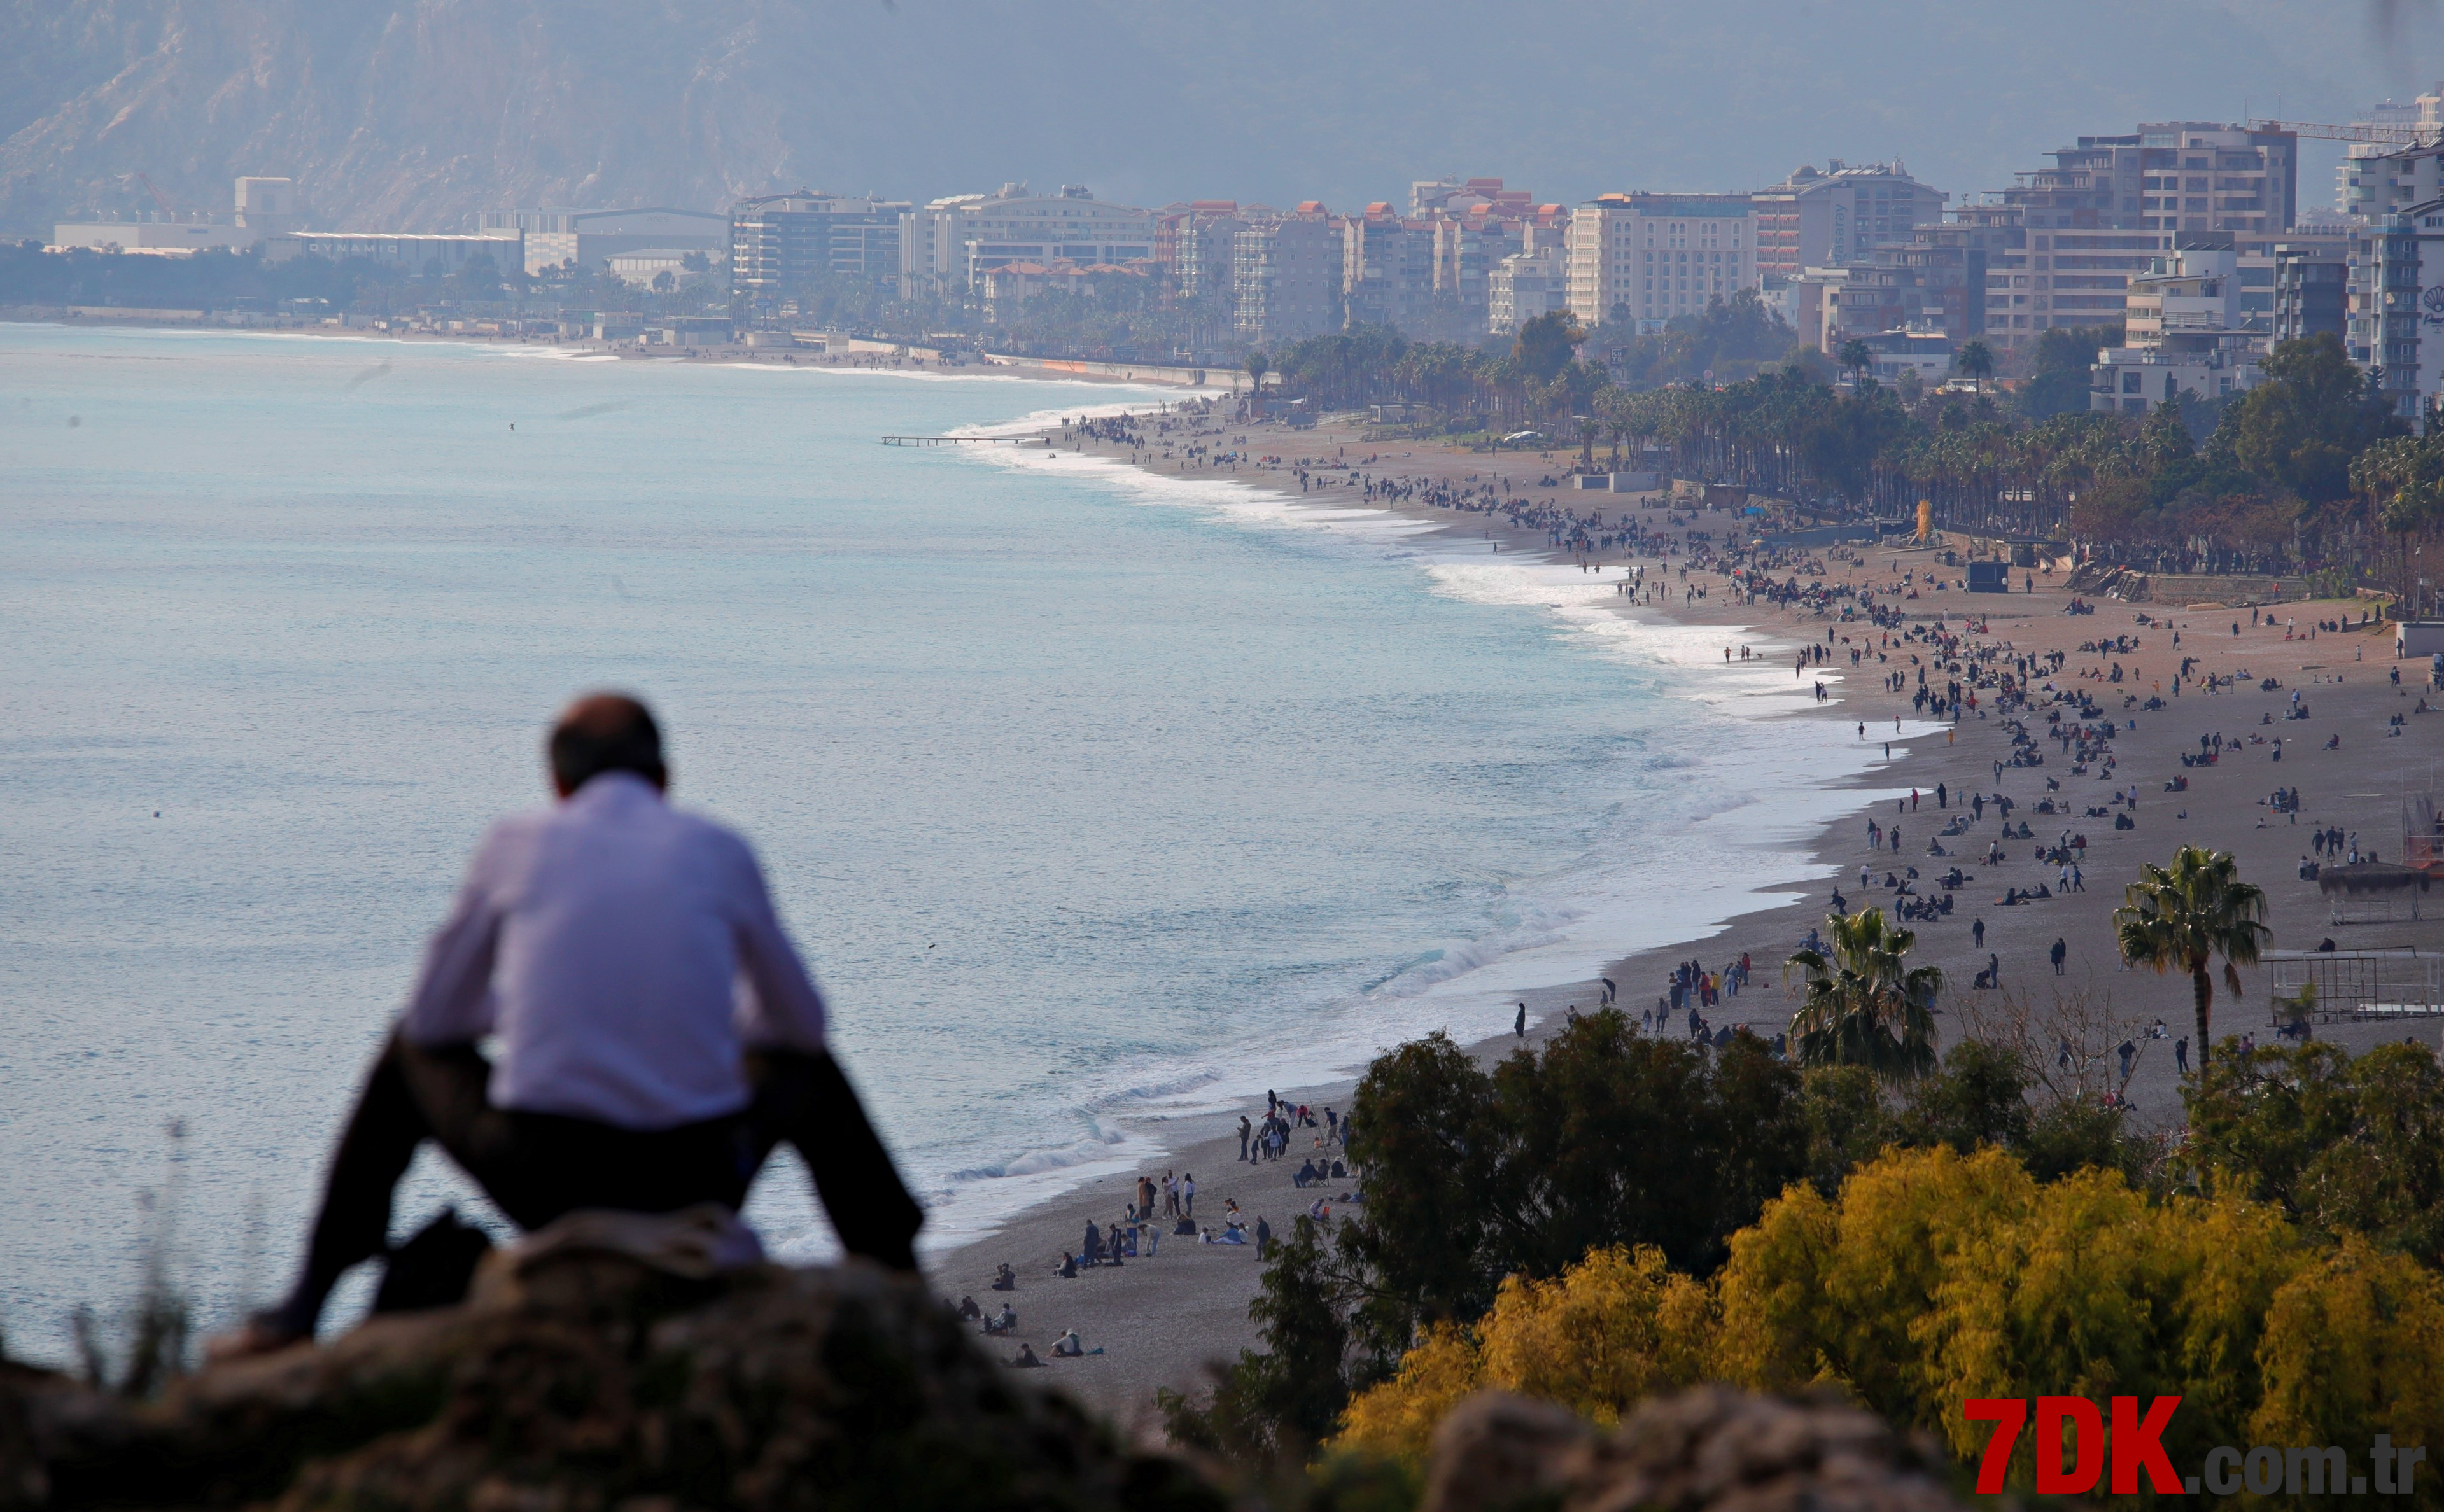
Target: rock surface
(592, 1384)
(1707, 1450)
(585, 1381)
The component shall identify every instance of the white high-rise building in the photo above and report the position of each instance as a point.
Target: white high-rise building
(949, 243)
(1649, 257)
(2375, 177)
(1285, 271)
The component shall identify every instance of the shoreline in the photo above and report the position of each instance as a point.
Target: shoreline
(1165, 1319)
(1040, 1230)
(1034, 370)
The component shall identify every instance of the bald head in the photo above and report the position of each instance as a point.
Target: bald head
(605, 732)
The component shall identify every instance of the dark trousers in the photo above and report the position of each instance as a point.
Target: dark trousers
(537, 1166)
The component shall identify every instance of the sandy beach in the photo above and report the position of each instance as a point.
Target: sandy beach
(1161, 1320)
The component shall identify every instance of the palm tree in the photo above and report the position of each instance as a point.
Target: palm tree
(1976, 360)
(1258, 366)
(1865, 1005)
(1855, 356)
(2185, 916)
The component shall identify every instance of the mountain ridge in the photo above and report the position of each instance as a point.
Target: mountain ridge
(417, 114)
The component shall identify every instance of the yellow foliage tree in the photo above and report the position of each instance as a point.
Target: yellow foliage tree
(1825, 1294)
(2354, 1347)
(1937, 1277)
(1617, 1327)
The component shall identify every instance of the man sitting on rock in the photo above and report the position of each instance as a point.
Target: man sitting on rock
(604, 942)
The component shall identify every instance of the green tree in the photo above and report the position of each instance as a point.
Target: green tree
(1977, 1096)
(2402, 478)
(1603, 1136)
(1975, 360)
(1865, 1004)
(2345, 1144)
(2315, 412)
(2165, 435)
(2184, 916)
(1546, 343)
(1809, 361)
(1278, 1404)
(1430, 1135)
(1856, 357)
(2058, 370)
(1258, 366)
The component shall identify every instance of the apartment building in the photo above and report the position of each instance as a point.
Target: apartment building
(1475, 226)
(1463, 197)
(1467, 248)
(2110, 206)
(2186, 332)
(1284, 276)
(1193, 244)
(778, 243)
(2406, 315)
(1523, 285)
(2311, 288)
(1824, 219)
(1387, 267)
(2169, 176)
(2373, 179)
(952, 241)
(1648, 257)
(1936, 282)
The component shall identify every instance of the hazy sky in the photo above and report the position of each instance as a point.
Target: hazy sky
(415, 114)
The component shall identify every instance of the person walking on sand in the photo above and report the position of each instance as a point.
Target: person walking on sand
(1519, 1025)
(657, 1036)
(1977, 932)
(2060, 951)
(1243, 1130)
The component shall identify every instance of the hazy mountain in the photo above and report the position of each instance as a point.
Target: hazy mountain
(416, 114)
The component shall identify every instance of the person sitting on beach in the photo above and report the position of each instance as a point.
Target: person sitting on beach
(1067, 1269)
(969, 1311)
(1005, 1279)
(1068, 1346)
(1305, 1173)
(1001, 1322)
(657, 1035)
(1025, 1359)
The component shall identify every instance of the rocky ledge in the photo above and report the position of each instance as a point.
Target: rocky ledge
(1707, 1450)
(589, 1382)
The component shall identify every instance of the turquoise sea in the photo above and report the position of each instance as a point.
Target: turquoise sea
(1095, 801)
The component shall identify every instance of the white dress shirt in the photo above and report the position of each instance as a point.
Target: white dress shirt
(624, 953)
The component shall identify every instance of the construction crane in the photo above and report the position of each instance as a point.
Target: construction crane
(2374, 135)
